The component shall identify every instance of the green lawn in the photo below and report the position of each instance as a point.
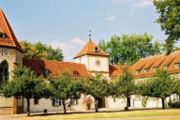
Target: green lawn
(140, 113)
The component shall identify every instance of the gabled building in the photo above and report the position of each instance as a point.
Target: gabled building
(90, 60)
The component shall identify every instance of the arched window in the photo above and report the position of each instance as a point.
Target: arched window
(4, 74)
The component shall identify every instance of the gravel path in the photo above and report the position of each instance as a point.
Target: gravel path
(9, 117)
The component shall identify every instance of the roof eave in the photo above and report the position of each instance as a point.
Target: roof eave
(91, 54)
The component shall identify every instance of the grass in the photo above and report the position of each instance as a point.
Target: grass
(135, 114)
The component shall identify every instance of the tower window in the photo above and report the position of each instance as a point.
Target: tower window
(96, 49)
(2, 35)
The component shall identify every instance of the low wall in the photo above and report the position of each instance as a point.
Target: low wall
(6, 111)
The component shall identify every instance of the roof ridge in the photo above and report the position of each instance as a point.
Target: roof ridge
(88, 45)
(52, 60)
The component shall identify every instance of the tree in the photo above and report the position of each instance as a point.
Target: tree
(177, 86)
(169, 20)
(160, 86)
(65, 87)
(25, 84)
(96, 86)
(125, 86)
(127, 49)
(41, 51)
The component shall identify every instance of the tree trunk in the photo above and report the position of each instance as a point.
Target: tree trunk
(163, 105)
(64, 106)
(128, 104)
(28, 106)
(96, 105)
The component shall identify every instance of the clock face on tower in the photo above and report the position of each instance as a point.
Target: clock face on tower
(3, 52)
(98, 62)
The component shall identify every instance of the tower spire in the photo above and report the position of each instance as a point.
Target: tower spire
(90, 35)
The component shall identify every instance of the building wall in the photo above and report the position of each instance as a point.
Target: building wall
(98, 63)
(47, 104)
(91, 62)
(13, 57)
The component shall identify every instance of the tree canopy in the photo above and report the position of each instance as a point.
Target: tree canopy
(42, 51)
(127, 49)
(25, 84)
(169, 20)
(96, 86)
(160, 86)
(124, 85)
(65, 87)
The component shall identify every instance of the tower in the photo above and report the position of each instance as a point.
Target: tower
(10, 57)
(95, 59)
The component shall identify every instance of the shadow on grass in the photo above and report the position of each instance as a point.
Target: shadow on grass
(90, 112)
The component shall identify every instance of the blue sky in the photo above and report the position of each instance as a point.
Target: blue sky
(66, 23)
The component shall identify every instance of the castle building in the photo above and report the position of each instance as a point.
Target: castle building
(90, 60)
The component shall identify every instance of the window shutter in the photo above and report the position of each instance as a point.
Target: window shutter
(59, 101)
(53, 102)
(70, 101)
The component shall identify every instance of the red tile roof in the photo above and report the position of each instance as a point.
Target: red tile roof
(89, 48)
(116, 70)
(56, 67)
(158, 61)
(149, 63)
(10, 39)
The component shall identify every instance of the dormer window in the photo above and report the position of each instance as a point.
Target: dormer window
(96, 49)
(75, 73)
(2, 35)
(146, 70)
(155, 69)
(46, 72)
(137, 72)
(165, 67)
(177, 65)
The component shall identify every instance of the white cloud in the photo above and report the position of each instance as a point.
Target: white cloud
(78, 41)
(144, 3)
(111, 18)
(69, 48)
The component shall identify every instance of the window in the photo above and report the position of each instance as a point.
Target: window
(36, 101)
(75, 73)
(177, 65)
(46, 72)
(96, 49)
(137, 71)
(4, 73)
(155, 69)
(2, 35)
(56, 102)
(73, 101)
(146, 70)
(165, 67)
